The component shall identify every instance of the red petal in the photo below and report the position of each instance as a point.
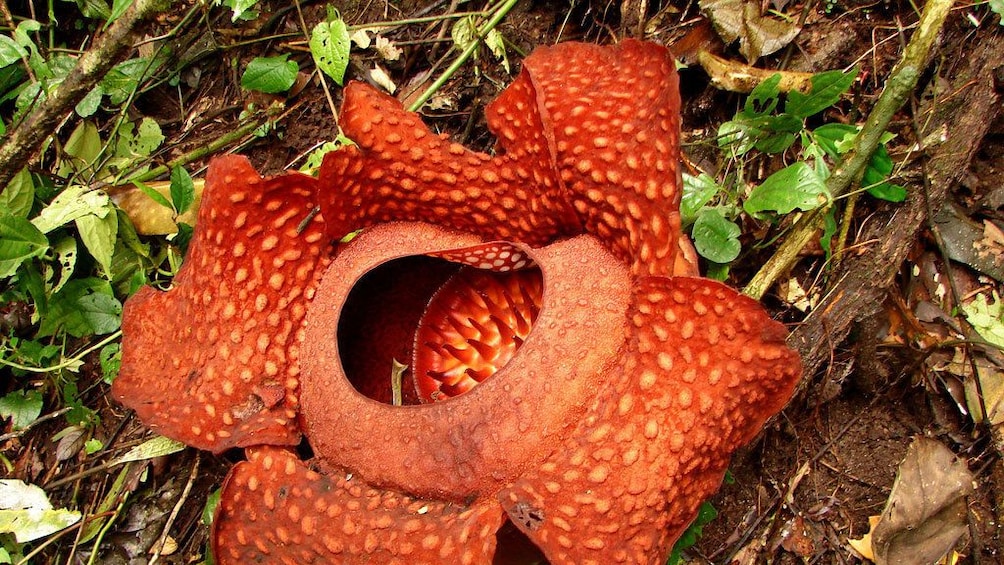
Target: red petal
(614, 119)
(212, 362)
(704, 371)
(402, 171)
(274, 509)
(474, 443)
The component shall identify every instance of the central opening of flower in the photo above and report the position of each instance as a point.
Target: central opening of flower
(427, 328)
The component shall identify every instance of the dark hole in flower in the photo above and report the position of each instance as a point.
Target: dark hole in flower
(514, 547)
(451, 325)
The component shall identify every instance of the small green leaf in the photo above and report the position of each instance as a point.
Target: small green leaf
(19, 196)
(10, 51)
(139, 140)
(153, 194)
(19, 241)
(209, 511)
(827, 88)
(330, 46)
(22, 407)
(697, 192)
(90, 103)
(26, 512)
(182, 189)
(833, 138)
(998, 8)
(464, 32)
(151, 448)
(110, 358)
(716, 238)
(93, 446)
(123, 79)
(796, 186)
(99, 234)
(118, 8)
(270, 75)
(762, 100)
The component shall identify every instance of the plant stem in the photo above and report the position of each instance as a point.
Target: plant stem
(502, 11)
(23, 142)
(897, 91)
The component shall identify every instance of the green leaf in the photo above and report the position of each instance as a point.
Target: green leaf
(81, 308)
(19, 196)
(270, 75)
(118, 8)
(22, 407)
(10, 51)
(110, 358)
(330, 46)
(209, 511)
(762, 100)
(83, 146)
(65, 251)
(697, 192)
(123, 79)
(139, 140)
(89, 104)
(464, 32)
(827, 88)
(74, 202)
(19, 241)
(241, 9)
(796, 186)
(716, 238)
(998, 8)
(182, 190)
(98, 234)
(93, 446)
(833, 138)
(26, 512)
(154, 195)
(151, 448)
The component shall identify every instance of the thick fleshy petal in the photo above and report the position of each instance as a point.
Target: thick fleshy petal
(275, 509)
(400, 170)
(612, 115)
(704, 370)
(472, 444)
(213, 361)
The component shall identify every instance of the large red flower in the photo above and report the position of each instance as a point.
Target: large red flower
(571, 388)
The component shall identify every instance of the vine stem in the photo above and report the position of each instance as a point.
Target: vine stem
(23, 142)
(503, 10)
(897, 91)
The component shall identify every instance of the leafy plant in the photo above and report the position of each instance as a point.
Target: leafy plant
(773, 124)
(270, 75)
(330, 46)
(705, 514)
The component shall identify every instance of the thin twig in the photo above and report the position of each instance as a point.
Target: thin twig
(37, 421)
(897, 91)
(177, 509)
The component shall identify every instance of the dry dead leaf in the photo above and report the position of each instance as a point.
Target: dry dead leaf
(150, 217)
(387, 50)
(380, 76)
(863, 545)
(926, 511)
(758, 34)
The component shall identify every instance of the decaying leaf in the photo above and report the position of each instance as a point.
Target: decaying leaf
(150, 217)
(758, 34)
(926, 512)
(987, 318)
(26, 512)
(737, 77)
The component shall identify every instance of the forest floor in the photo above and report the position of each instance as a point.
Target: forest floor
(902, 367)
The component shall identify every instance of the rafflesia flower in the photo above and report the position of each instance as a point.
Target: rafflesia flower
(571, 385)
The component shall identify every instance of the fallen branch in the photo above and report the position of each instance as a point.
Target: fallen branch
(23, 142)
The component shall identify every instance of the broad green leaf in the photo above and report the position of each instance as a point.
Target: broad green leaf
(464, 32)
(22, 407)
(209, 511)
(827, 88)
(736, 137)
(95, 9)
(74, 202)
(833, 137)
(19, 196)
(84, 146)
(998, 8)
(155, 447)
(98, 234)
(270, 75)
(796, 186)
(330, 46)
(496, 43)
(715, 237)
(26, 512)
(19, 241)
(118, 8)
(123, 79)
(697, 191)
(81, 308)
(182, 190)
(241, 9)
(10, 51)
